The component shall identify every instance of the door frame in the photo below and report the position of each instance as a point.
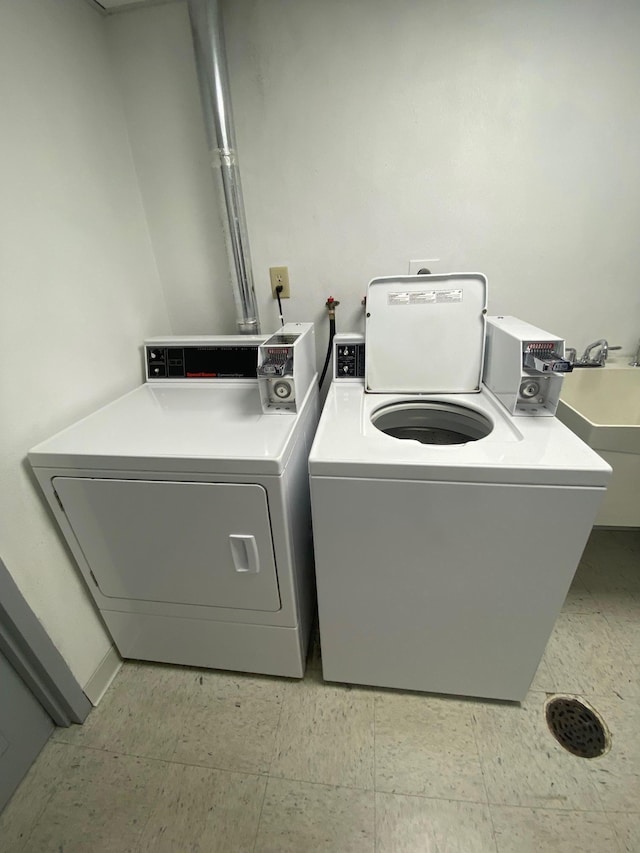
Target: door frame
(29, 649)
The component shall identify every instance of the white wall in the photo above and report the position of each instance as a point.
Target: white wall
(498, 135)
(155, 70)
(79, 285)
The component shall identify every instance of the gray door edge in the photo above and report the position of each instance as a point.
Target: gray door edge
(29, 649)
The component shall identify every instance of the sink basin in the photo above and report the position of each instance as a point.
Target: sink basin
(602, 407)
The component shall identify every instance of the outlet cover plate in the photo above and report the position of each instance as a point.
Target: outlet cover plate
(416, 266)
(280, 275)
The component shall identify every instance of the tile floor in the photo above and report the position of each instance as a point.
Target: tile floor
(179, 759)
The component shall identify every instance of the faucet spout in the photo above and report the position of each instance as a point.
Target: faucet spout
(601, 348)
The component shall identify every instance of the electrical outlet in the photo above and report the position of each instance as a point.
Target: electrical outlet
(280, 275)
(416, 266)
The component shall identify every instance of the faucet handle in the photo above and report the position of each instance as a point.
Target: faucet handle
(605, 353)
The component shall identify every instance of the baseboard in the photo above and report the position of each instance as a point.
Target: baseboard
(105, 672)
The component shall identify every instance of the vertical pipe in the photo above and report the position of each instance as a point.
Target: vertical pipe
(211, 65)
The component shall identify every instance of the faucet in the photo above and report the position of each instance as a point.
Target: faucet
(599, 360)
(635, 362)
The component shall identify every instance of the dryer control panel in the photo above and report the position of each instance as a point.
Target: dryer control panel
(224, 357)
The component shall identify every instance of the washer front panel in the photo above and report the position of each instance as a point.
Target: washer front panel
(182, 543)
(443, 587)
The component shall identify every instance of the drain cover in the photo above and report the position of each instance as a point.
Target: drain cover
(577, 727)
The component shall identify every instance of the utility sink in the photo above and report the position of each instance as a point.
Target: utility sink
(602, 407)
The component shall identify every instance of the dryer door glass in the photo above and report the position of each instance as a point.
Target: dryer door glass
(184, 543)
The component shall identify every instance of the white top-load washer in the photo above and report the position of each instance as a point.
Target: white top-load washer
(446, 530)
(186, 506)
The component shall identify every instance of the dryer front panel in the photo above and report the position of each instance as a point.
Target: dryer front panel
(175, 542)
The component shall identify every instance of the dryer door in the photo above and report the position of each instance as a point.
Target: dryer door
(184, 543)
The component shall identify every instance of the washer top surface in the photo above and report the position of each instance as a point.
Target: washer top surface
(215, 428)
(538, 451)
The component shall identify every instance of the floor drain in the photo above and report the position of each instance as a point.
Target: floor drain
(577, 727)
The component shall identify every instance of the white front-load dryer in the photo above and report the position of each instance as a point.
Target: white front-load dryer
(446, 531)
(186, 507)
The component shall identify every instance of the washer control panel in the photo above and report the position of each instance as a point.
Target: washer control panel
(348, 356)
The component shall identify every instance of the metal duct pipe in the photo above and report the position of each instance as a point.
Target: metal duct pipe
(211, 64)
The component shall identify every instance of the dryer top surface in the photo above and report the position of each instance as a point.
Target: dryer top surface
(217, 428)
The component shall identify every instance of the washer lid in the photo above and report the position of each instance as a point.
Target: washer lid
(425, 334)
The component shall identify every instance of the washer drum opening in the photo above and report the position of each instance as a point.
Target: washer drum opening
(431, 422)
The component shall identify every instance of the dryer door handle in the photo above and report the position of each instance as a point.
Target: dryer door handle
(244, 550)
